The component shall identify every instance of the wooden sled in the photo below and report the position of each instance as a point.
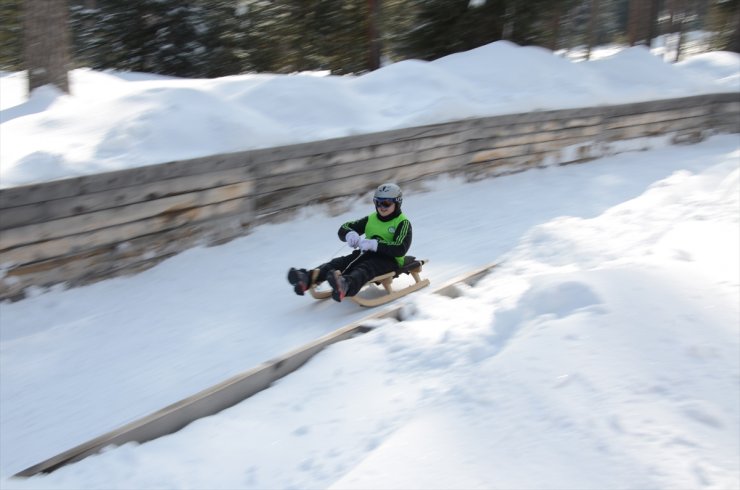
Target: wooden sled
(411, 266)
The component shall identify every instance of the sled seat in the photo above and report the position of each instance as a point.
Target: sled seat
(411, 265)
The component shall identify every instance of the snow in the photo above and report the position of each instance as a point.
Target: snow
(134, 119)
(603, 351)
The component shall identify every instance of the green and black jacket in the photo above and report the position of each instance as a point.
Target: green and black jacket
(393, 233)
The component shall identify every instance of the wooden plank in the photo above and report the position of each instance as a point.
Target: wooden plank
(583, 133)
(635, 120)
(548, 146)
(280, 201)
(271, 184)
(499, 153)
(495, 168)
(333, 159)
(726, 108)
(112, 260)
(664, 104)
(82, 223)
(60, 208)
(725, 123)
(356, 142)
(550, 126)
(103, 182)
(304, 188)
(122, 233)
(451, 288)
(656, 128)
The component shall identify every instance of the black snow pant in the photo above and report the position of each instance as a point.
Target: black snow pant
(358, 269)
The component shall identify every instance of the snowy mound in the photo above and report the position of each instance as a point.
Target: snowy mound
(113, 121)
(721, 66)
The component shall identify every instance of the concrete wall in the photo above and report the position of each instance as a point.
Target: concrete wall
(85, 229)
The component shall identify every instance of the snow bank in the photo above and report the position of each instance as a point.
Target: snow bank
(114, 120)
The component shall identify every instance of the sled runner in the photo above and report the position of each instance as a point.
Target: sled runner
(411, 266)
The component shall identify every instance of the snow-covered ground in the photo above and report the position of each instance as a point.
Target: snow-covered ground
(117, 120)
(603, 353)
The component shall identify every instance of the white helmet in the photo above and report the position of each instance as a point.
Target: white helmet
(389, 191)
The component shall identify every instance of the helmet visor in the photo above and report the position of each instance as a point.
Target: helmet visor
(384, 203)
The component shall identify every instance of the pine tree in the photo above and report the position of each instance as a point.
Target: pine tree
(11, 48)
(288, 36)
(442, 27)
(170, 37)
(724, 21)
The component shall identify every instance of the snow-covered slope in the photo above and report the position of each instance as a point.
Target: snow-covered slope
(602, 353)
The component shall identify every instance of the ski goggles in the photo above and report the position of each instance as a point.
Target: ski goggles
(384, 203)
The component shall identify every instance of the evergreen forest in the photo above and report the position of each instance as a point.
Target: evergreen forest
(211, 38)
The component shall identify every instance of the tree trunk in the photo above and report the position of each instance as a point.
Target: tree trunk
(374, 47)
(652, 22)
(46, 43)
(671, 16)
(592, 19)
(555, 26)
(509, 16)
(633, 22)
(733, 44)
(682, 8)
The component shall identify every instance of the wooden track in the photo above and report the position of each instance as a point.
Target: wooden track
(232, 391)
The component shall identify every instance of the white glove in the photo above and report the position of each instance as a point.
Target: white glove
(352, 238)
(368, 245)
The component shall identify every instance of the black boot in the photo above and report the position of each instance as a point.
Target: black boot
(339, 285)
(300, 279)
